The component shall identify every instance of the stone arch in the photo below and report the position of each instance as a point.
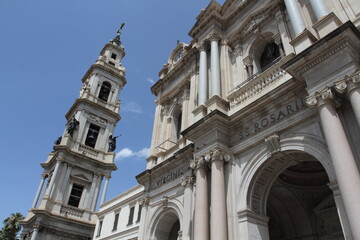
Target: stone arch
(263, 168)
(163, 220)
(257, 44)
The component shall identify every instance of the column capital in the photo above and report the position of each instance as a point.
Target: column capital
(321, 98)
(194, 71)
(188, 181)
(218, 154)
(198, 162)
(203, 46)
(107, 176)
(97, 174)
(348, 83)
(44, 175)
(248, 60)
(214, 37)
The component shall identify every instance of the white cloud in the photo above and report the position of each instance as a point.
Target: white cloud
(131, 107)
(127, 152)
(150, 80)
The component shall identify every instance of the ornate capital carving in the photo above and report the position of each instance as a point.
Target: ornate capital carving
(273, 143)
(320, 98)
(193, 71)
(198, 162)
(107, 175)
(214, 37)
(144, 201)
(204, 46)
(348, 83)
(44, 175)
(217, 154)
(188, 181)
(248, 61)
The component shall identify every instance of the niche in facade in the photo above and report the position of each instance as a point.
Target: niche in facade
(269, 56)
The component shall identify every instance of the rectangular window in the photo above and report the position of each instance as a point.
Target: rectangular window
(116, 220)
(139, 214)
(75, 195)
(131, 215)
(113, 56)
(99, 229)
(92, 135)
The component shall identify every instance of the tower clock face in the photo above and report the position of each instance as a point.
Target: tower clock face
(178, 56)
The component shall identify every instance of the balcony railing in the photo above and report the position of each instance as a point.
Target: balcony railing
(71, 211)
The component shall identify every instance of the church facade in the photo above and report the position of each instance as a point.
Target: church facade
(256, 128)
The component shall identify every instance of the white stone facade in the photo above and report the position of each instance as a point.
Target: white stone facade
(82, 157)
(256, 127)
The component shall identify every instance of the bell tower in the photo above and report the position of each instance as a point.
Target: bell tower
(83, 156)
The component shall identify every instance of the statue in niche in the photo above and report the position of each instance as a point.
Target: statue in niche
(271, 52)
(57, 142)
(112, 143)
(72, 126)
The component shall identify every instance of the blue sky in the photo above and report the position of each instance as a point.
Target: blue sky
(46, 47)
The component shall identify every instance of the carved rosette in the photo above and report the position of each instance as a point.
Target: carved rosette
(188, 181)
(144, 201)
(320, 98)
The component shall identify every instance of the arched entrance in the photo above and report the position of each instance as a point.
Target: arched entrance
(291, 189)
(168, 227)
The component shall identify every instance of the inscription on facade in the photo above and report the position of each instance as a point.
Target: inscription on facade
(169, 177)
(272, 118)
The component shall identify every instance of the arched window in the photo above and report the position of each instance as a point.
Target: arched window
(105, 91)
(270, 54)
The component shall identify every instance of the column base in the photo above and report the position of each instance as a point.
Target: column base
(303, 41)
(217, 103)
(327, 24)
(199, 112)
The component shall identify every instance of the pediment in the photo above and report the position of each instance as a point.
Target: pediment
(255, 20)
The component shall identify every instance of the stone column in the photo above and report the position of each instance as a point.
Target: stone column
(41, 185)
(295, 16)
(215, 66)
(201, 219)
(96, 193)
(319, 7)
(107, 177)
(65, 184)
(285, 33)
(92, 190)
(347, 173)
(203, 80)
(249, 67)
(185, 108)
(53, 178)
(218, 198)
(351, 86)
(187, 183)
(35, 232)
